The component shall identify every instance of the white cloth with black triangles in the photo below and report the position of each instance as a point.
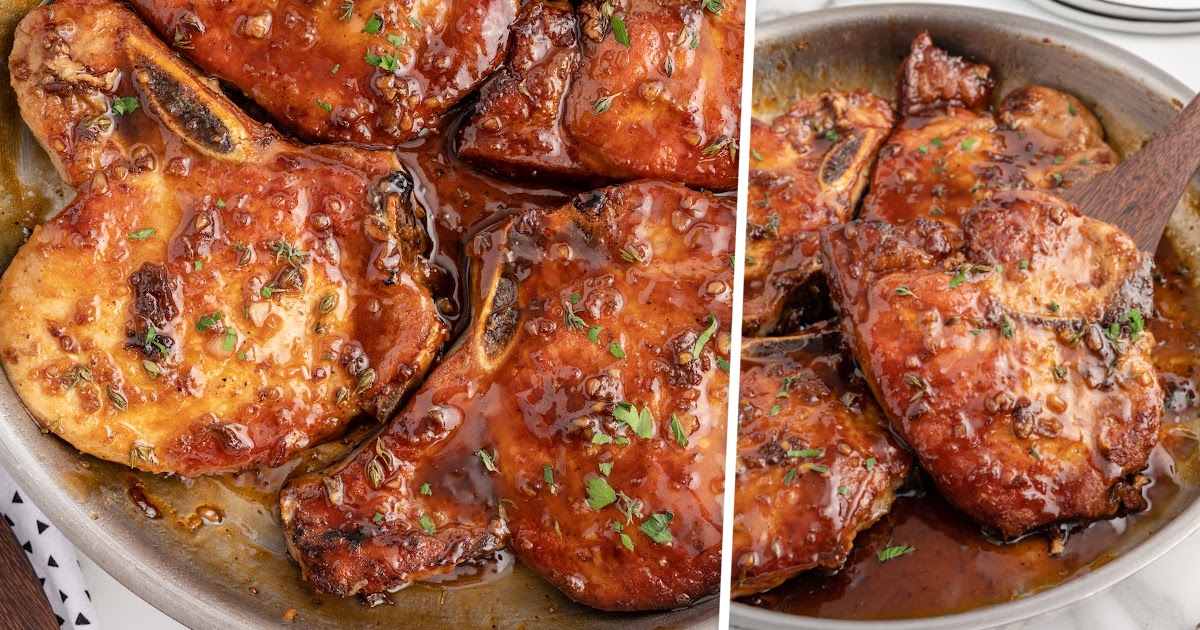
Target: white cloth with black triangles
(53, 557)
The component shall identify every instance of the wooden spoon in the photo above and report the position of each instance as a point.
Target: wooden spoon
(1139, 195)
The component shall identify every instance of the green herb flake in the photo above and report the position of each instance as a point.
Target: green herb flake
(373, 25)
(397, 40)
(1024, 264)
(903, 290)
(842, 490)
(819, 469)
(869, 463)
(937, 143)
(616, 350)
(641, 422)
(230, 339)
(969, 144)
(427, 524)
(600, 494)
(208, 321)
(723, 364)
(548, 477)
(123, 105)
(488, 459)
(377, 518)
(426, 490)
(416, 23)
(606, 468)
(776, 409)
(197, 265)
(601, 105)
(787, 479)
(756, 155)
(923, 149)
(832, 135)
(141, 234)
(325, 106)
(894, 552)
(677, 429)
(1136, 323)
(601, 438)
(655, 526)
(807, 452)
(575, 297)
(619, 32)
(705, 336)
(593, 334)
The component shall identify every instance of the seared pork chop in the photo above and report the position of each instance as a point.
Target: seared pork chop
(215, 295)
(615, 91)
(374, 72)
(949, 151)
(808, 168)
(580, 420)
(816, 461)
(1018, 369)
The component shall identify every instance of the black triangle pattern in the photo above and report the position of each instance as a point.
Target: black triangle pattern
(28, 547)
(42, 527)
(17, 497)
(62, 595)
(82, 621)
(52, 562)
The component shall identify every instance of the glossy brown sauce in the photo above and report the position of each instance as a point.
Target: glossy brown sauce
(956, 568)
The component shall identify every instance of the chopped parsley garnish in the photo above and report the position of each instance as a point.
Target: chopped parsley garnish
(1025, 264)
(937, 143)
(894, 552)
(723, 363)
(385, 62)
(141, 234)
(600, 438)
(869, 463)
(575, 297)
(969, 144)
(832, 135)
(548, 477)
(655, 526)
(641, 422)
(606, 468)
(600, 494)
(416, 23)
(220, 203)
(807, 452)
(427, 524)
(323, 105)
(197, 265)
(677, 429)
(616, 350)
(818, 468)
(712, 5)
(903, 290)
(208, 321)
(619, 32)
(626, 541)
(756, 155)
(230, 339)
(426, 490)
(705, 336)
(593, 334)
(124, 105)
(1136, 323)
(397, 40)
(373, 25)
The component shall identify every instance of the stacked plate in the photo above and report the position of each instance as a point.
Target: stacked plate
(1151, 17)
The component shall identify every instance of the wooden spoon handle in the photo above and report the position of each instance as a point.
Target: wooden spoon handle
(1139, 195)
(23, 603)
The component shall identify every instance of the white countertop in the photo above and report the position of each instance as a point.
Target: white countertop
(1164, 595)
